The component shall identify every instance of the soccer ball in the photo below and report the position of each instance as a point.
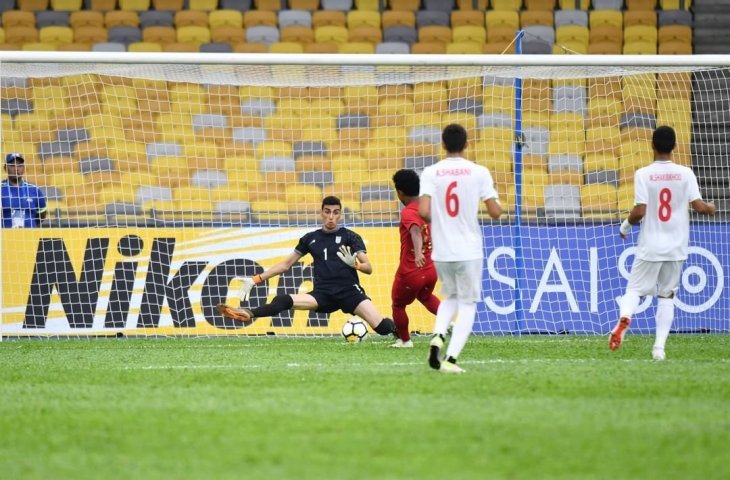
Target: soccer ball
(354, 330)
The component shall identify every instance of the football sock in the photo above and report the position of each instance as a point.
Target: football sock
(401, 321)
(431, 303)
(386, 327)
(462, 329)
(629, 303)
(451, 360)
(664, 319)
(445, 313)
(278, 304)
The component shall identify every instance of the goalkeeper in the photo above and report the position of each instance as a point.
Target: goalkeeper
(339, 254)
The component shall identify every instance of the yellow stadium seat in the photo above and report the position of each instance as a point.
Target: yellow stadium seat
(643, 5)
(86, 18)
(135, 5)
(435, 33)
(304, 197)
(640, 48)
(395, 18)
(21, 35)
(250, 48)
(331, 34)
(600, 161)
(675, 33)
(359, 18)
(193, 34)
(540, 5)
(159, 34)
(205, 5)
(19, 18)
(675, 4)
(373, 5)
(675, 48)
(356, 47)
(513, 5)
(120, 18)
(297, 34)
(461, 18)
(32, 5)
(56, 35)
(499, 98)
(536, 17)
(479, 5)
(169, 5)
(607, 34)
(502, 18)
(185, 18)
(322, 18)
(640, 33)
(598, 198)
(66, 5)
(469, 33)
(640, 17)
(39, 47)
(600, 18)
(410, 5)
(102, 5)
(365, 34)
(428, 48)
(225, 18)
(227, 34)
(572, 33)
(253, 18)
(566, 176)
(286, 47)
(625, 198)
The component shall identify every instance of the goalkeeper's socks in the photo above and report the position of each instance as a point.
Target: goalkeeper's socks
(451, 359)
(278, 304)
(386, 327)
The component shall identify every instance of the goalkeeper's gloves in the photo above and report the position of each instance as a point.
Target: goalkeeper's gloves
(248, 284)
(625, 228)
(345, 254)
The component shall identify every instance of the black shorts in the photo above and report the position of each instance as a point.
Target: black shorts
(333, 298)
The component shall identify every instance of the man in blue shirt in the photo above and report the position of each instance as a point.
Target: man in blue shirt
(24, 204)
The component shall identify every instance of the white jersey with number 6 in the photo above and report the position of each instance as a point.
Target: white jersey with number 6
(457, 187)
(666, 189)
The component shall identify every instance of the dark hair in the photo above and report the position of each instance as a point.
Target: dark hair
(664, 139)
(454, 138)
(407, 181)
(331, 200)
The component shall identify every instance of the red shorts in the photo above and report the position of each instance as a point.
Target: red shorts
(416, 284)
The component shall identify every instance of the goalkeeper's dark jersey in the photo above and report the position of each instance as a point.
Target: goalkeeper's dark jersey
(329, 270)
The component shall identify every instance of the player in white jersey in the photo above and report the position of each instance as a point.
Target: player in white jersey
(451, 191)
(662, 193)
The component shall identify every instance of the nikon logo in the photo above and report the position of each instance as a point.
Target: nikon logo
(79, 291)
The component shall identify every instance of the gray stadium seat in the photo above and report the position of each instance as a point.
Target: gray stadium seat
(601, 176)
(400, 33)
(261, 107)
(569, 98)
(608, 4)
(392, 48)
(252, 135)
(300, 149)
(288, 18)
(232, 207)
(424, 18)
(539, 32)
(318, 178)
(156, 18)
(419, 162)
(73, 135)
(674, 17)
(536, 47)
(240, 5)
(216, 47)
(424, 134)
(571, 17)
(490, 81)
(155, 150)
(443, 5)
(209, 178)
(54, 149)
(52, 193)
(565, 162)
(93, 164)
(466, 105)
(562, 201)
(50, 18)
(146, 193)
(641, 120)
(277, 163)
(353, 120)
(262, 34)
(14, 106)
(125, 35)
(209, 120)
(345, 5)
(109, 47)
(494, 119)
(376, 192)
(536, 141)
(6, 5)
(121, 208)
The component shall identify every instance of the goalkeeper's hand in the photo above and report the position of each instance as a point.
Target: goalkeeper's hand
(247, 285)
(625, 229)
(345, 254)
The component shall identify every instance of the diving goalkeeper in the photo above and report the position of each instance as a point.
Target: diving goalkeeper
(339, 254)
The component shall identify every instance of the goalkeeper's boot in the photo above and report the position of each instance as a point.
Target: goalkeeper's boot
(434, 351)
(658, 354)
(401, 344)
(618, 332)
(240, 314)
(450, 366)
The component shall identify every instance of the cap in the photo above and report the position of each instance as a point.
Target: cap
(14, 158)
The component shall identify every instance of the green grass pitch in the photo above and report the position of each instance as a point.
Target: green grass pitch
(527, 408)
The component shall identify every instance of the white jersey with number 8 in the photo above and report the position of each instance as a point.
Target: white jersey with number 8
(666, 189)
(457, 187)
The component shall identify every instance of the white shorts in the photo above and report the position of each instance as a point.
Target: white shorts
(654, 278)
(462, 280)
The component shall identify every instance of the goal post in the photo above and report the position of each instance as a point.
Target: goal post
(167, 175)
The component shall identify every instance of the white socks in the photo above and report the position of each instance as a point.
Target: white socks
(462, 328)
(664, 319)
(445, 313)
(628, 304)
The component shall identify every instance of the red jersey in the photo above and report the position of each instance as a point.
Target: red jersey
(408, 217)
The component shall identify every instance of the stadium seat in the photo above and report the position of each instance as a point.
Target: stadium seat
(301, 18)
(322, 18)
(393, 18)
(469, 33)
(562, 201)
(303, 35)
(365, 34)
(51, 18)
(425, 18)
(393, 48)
(435, 33)
(134, 5)
(125, 35)
(574, 4)
(286, 47)
(358, 18)
(640, 33)
(262, 34)
(640, 48)
(502, 18)
(205, 5)
(144, 47)
(227, 34)
(539, 32)
(159, 34)
(255, 18)
(270, 5)
(331, 34)
(467, 17)
(400, 33)
(540, 5)
(185, 18)
(598, 199)
(193, 34)
(536, 17)
(32, 5)
(85, 18)
(675, 4)
(356, 47)
(600, 18)
(310, 5)
(101, 5)
(606, 33)
(608, 4)
(428, 48)
(119, 18)
(675, 48)
(56, 35)
(643, 5)
(675, 33)
(344, 5)
(513, 5)
(640, 17)
(168, 5)
(674, 17)
(571, 17)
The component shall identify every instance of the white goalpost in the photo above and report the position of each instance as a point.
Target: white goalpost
(167, 175)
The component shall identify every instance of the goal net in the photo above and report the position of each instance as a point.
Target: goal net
(167, 175)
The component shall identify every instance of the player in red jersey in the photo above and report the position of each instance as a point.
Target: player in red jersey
(416, 275)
